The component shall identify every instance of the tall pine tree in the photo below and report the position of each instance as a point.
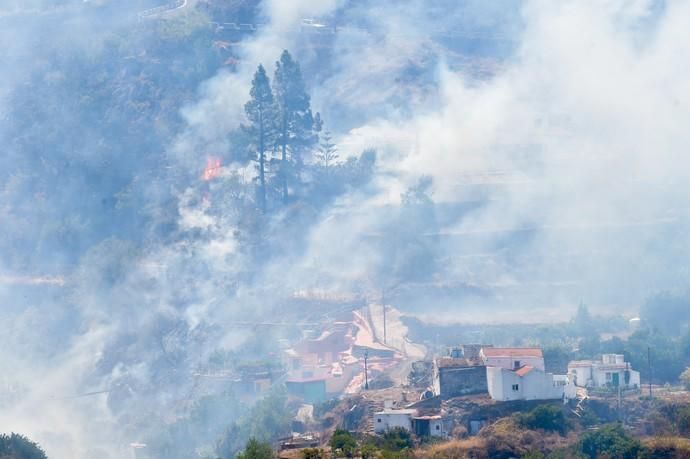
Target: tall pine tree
(328, 151)
(297, 127)
(261, 114)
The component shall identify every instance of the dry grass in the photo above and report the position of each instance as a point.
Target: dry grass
(667, 447)
(474, 447)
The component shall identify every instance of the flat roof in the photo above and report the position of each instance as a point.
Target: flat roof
(450, 362)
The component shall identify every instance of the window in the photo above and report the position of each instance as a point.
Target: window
(608, 376)
(438, 427)
(516, 387)
(516, 364)
(378, 420)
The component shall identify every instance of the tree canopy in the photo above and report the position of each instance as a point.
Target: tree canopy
(16, 446)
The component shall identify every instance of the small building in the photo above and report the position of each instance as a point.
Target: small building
(512, 358)
(390, 419)
(527, 383)
(454, 377)
(311, 389)
(611, 371)
(428, 426)
(461, 372)
(408, 419)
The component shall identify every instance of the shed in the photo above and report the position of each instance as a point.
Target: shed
(390, 419)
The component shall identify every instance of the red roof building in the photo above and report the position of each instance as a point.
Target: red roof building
(512, 358)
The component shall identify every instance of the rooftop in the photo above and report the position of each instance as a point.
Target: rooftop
(513, 352)
(523, 370)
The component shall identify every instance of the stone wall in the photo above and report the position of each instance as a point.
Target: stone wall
(456, 381)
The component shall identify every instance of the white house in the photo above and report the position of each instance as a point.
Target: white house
(512, 358)
(422, 426)
(610, 371)
(527, 383)
(390, 419)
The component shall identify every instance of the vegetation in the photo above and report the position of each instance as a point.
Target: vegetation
(256, 449)
(545, 417)
(682, 421)
(609, 441)
(665, 447)
(297, 130)
(261, 114)
(15, 446)
(268, 420)
(313, 453)
(685, 378)
(343, 442)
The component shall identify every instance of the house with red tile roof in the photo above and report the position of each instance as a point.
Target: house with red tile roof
(527, 383)
(512, 358)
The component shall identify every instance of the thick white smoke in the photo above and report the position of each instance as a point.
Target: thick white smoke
(578, 138)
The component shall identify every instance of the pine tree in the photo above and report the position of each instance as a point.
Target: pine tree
(297, 126)
(261, 114)
(327, 151)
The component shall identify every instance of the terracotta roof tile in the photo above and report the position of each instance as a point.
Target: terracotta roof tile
(523, 370)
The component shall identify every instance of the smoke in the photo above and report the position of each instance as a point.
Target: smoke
(553, 133)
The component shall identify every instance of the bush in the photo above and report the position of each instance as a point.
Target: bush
(545, 417)
(683, 420)
(256, 450)
(369, 451)
(325, 407)
(610, 441)
(313, 453)
(397, 439)
(670, 447)
(343, 441)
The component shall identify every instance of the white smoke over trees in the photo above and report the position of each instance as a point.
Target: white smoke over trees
(559, 175)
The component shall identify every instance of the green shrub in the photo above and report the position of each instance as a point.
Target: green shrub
(369, 451)
(683, 421)
(343, 441)
(256, 449)
(397, 439)
(545, 417)
(610, 441)
(313, 453)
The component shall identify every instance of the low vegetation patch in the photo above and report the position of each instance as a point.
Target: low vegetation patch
(545, 417)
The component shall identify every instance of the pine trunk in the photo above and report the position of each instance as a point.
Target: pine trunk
(262, 176)
(284, 161)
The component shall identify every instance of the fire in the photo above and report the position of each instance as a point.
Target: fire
(212, 169)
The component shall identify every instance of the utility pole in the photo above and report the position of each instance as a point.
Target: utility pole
(366, 374)
(649, 369)
(384, 325)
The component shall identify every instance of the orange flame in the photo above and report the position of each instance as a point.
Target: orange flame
(212, 169)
